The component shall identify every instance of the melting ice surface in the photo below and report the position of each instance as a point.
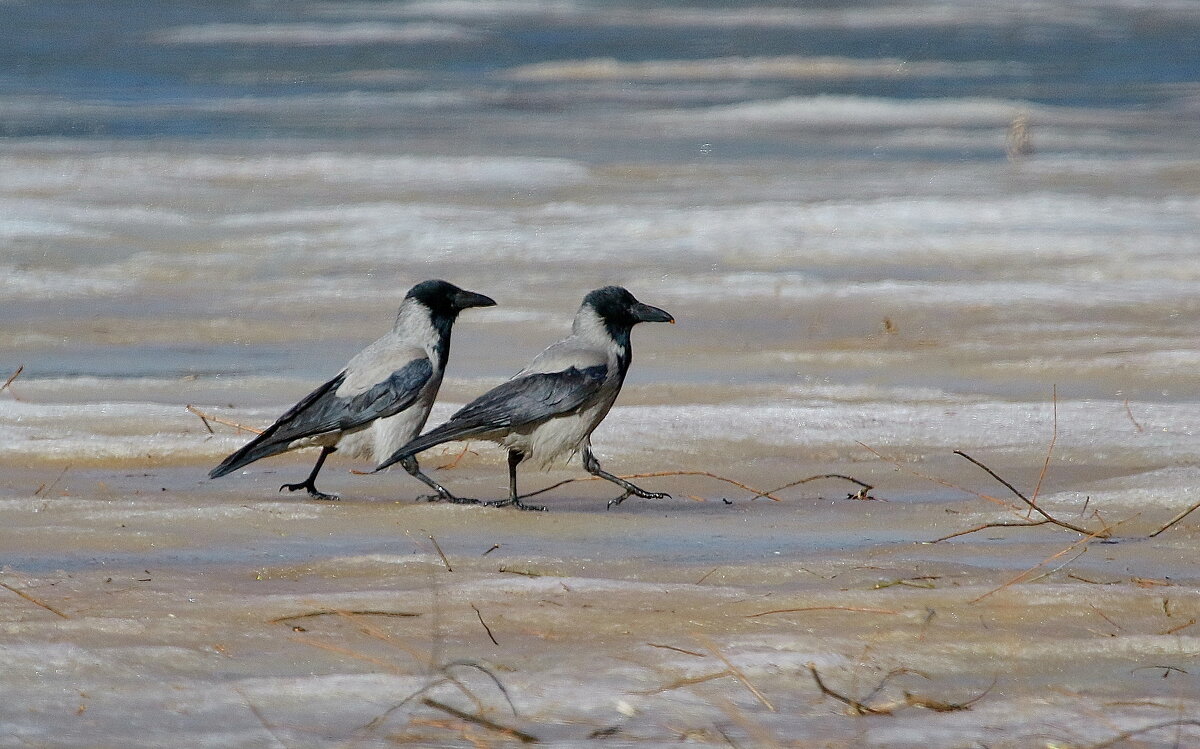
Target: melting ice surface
(218, 206)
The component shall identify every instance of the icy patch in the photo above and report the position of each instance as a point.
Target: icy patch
(398, 560)
(16, 228)
(864, 111)
(102, 431)
(99, 431)
(1002, 426)
(1176, 360)
(743, 68)
(146, 170)
(928, 13)
(372, 689)
(18, 283)
(317, 34)
(457, 172)
(978, 232)
(1171, 488)
(486, 9)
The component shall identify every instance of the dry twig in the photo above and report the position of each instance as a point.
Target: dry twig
(706, 575)
(1018, 578)
(457, 458)
(441, 553)
(206, 418)
(686, 681)
(1149, 582)
(737, 673)
(1030, 502)
(339, 612)
(1180, 628)
(486, 628)
(1129, 412)
(34, 601)
(659, 474)
(1124, 736)
(825, 608)
(1105, 617)
(1167, 671)
(479, 720)
(449, 678)
(12, 377)
(934, 479)
(1176, 519)
(920, 581)
(985, 526)
(1049, 448)
(1083, 579)
(677, 650)
(525, 573)
(1059, 568)
(261, 718)
(370, 630)
(913, 700)
(756, 732)
(863, 493)
(54, 483)
(1102, 533)
(858, 707)
(349, 652)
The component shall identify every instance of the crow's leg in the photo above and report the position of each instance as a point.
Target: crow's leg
(514, 459)
(592, 466)
(443, 495)
(310, 483)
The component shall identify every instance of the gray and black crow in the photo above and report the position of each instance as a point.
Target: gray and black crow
(550, 408)
(380, 400)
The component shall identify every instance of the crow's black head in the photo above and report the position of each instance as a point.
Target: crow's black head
(620, 311)
(446, 300)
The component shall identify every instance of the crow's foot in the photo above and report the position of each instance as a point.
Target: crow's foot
(636, 492)
(448, 498)
(313, 491)
(517, 504)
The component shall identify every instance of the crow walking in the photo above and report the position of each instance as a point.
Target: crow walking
(550, 408)
(380, 400)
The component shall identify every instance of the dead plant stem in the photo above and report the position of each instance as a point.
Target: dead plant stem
(34, 601)
(479, 720)
(486, 628)
(1049, 448)
(824, 608)
(441, 553)
(1102, 533)
(737, 673)
(12, 377)
(1176, 519)
(1018, 578)
(206, 418)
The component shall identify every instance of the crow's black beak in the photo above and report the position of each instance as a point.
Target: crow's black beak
(646, 313)
(465, 299)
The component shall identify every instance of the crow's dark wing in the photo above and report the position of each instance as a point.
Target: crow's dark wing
(532, 398)
(526, 399)
(323, 411)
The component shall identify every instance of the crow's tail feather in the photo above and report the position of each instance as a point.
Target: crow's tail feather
(447, 432)
(254, 450)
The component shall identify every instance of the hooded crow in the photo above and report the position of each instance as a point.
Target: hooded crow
(380, 400)
(550, 408)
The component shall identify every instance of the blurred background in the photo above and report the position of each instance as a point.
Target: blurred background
(965, 196)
